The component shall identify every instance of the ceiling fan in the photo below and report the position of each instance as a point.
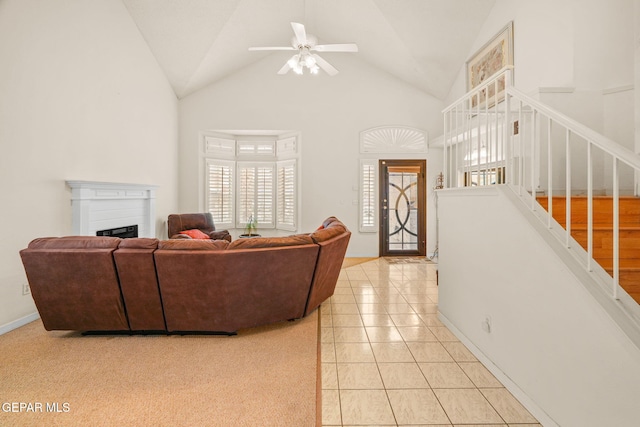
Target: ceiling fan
(306, 45)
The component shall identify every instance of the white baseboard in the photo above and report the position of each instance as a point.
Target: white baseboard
(8, 327)
(542, 417)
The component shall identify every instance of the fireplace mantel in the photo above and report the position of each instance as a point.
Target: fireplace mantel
(102, 205)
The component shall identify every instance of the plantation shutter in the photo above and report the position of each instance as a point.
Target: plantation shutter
(265, 195)
(256, 194)
(286, 195)
(219, 184)
(368, 195)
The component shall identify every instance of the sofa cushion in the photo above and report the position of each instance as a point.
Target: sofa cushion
(270, 242)
(180, 236)
(139, 283)
(332, 228)
(138, 243)
(333, 241)
(327, 222)
(75, 242)
(221, 235)
(74, 283)
(193, 245)
(195, 234)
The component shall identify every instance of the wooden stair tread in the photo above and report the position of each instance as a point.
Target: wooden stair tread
(625, 264)
(629, 228)
(629, 204)
(602, 227)
(599, 197)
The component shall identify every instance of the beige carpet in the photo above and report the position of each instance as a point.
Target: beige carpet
(261, 377)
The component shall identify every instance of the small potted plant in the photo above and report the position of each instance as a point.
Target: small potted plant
(250, 230)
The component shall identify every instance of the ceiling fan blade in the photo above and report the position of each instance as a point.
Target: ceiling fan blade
(273, 48)
(285, 69)
(341, 47)
(328, 68)
(301, 34)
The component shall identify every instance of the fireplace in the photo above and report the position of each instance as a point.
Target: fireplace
(122, 232)
(101, 207)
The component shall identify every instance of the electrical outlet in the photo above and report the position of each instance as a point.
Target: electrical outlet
(26, 290)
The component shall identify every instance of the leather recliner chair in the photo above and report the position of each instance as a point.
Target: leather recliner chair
(195, 221)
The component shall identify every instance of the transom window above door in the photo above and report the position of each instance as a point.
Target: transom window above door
(377, 143)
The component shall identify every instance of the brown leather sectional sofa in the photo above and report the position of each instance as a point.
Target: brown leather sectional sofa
(86, 283)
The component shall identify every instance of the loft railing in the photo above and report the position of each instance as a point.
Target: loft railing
(496, 134)
(475, 135)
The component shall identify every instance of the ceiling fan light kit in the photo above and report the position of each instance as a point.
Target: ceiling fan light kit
(299, 61)
(305, 58)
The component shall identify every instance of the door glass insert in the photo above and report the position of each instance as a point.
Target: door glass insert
(403, 208)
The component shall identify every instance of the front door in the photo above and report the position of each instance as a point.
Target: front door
(403, 207)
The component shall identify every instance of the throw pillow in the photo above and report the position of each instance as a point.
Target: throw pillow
(195, 234)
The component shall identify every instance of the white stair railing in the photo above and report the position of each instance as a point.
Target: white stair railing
(475, 135)
(495, 134)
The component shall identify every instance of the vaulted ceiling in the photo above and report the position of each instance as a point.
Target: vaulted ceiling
(422, 42)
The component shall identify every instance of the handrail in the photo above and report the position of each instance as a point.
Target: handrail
(624, 154)
(497, 134)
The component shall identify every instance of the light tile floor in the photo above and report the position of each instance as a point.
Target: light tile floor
(388, 360)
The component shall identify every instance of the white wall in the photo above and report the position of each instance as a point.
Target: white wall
(329, 113)
(83, 99)
(549, 336)
(603, 43)
(585, 44)
(543, 43)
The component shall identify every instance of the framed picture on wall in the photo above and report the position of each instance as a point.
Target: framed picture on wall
(496, 54)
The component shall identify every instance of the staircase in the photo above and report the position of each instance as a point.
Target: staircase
(495, 134)
(629, 217)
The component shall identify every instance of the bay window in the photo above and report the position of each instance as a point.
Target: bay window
(251, 179)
